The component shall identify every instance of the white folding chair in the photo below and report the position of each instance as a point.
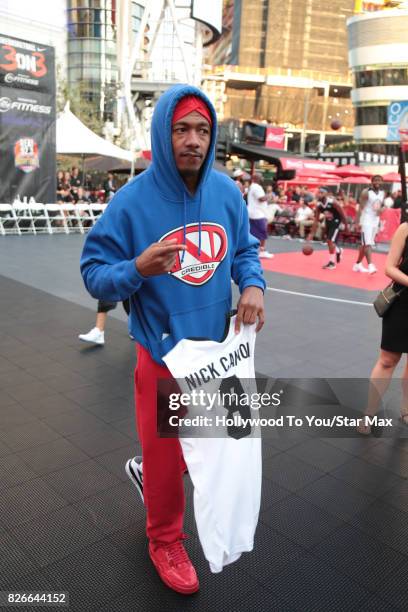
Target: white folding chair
(85, 214)
(8, 220)
(72, 218)
(24, 217)
(56, 217)
(97, 209)
(40, 218)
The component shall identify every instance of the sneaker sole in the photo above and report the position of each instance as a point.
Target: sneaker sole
(182, 590)
(92, 341)
(134, 477)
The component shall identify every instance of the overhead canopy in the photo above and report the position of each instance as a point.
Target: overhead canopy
(351, 170)
(74, 138)
(311, 173)
(392, 177)
(113, 164)
(356, 180)
(312, 181)
(287, 165)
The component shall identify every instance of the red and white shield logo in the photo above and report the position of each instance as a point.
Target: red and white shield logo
(197, 269)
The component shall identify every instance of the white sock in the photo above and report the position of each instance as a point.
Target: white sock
(332, 257)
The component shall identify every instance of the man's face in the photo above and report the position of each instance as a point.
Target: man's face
(377, 182)
(190, 137)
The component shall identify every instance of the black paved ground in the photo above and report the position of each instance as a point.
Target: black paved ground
(333, 533)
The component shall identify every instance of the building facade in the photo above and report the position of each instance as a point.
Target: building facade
(285, 63)
(168, 50)
(378, 57)
(124, 53)
(92, 64)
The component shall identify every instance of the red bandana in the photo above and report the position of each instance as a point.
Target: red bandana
(187, 105)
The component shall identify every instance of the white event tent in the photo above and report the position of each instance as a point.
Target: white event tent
(74, 138)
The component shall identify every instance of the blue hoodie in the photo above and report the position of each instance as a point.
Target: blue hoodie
(194, 298)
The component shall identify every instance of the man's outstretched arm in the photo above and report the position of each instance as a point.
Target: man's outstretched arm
(246, 272)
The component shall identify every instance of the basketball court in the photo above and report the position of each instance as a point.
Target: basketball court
(311, 267)
(333, 526)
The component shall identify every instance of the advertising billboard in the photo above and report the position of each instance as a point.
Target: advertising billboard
(397, 119)
(27, 120)
(210, 14)
(275, 137)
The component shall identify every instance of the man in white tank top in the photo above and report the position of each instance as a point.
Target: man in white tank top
(368, 217)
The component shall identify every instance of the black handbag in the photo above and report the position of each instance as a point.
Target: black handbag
(385, 299)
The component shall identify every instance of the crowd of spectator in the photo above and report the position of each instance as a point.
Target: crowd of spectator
(290, 212)
(73, 187)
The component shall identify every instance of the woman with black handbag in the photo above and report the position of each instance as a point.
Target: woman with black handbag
(394, 340)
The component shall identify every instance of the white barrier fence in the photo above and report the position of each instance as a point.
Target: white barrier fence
(35, 218)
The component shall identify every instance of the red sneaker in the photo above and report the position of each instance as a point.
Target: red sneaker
(174, 567)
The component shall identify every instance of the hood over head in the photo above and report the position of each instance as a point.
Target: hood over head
(163, 167)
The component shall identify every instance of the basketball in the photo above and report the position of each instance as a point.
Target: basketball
(335, 124)
(307, 249)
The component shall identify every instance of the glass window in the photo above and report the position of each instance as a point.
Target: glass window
(371, 115)
(137, 10)
(93, 73)
(381, 78)
(77, 3)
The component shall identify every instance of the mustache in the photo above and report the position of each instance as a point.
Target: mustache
(195, 153)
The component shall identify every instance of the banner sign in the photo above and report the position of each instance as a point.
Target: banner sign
(292, 163)
(275, 137)
(27, 120)
(390, 221)
(397, 119)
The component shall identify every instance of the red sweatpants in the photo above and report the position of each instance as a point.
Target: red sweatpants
(163, 462)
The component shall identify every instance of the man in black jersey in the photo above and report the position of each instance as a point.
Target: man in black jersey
(334, 215)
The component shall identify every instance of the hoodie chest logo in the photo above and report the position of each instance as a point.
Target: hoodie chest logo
(196, 268)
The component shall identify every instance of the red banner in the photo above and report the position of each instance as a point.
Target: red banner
(275, 138)
(293, 163)
(390, 219)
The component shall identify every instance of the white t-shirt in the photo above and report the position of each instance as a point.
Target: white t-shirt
(256, 209)
(271, 211)
(303, 213)
(369, 214)
(226, 471)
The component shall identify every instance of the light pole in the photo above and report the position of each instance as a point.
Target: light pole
(306, 105)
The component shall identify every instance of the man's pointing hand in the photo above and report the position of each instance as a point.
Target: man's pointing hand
(158, 258)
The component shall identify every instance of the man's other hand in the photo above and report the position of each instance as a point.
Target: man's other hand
(158, 258)
(250, 308)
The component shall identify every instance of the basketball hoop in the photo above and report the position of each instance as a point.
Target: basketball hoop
(403, 132)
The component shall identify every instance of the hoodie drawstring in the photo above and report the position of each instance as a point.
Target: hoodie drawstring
(185, 226)
(199, 225)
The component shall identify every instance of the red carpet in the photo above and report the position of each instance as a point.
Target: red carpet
(297, 264)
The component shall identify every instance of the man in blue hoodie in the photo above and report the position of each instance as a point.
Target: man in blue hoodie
(171, 240)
